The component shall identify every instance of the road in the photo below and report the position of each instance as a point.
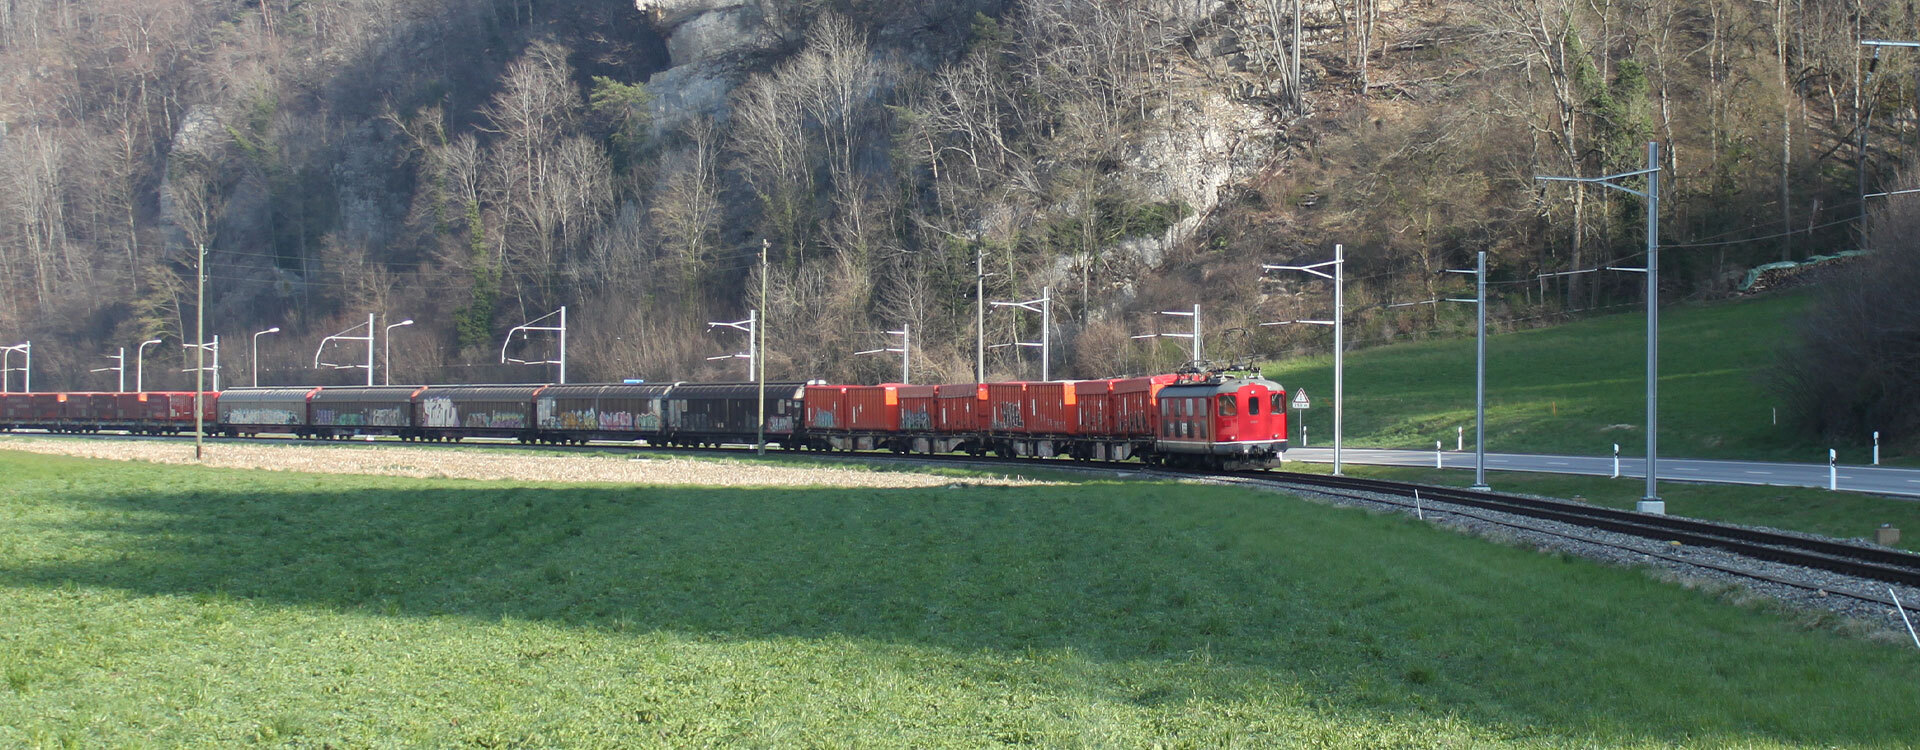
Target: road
(1878, 480)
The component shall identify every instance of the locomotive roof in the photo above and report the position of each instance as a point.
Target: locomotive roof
(1210, 387)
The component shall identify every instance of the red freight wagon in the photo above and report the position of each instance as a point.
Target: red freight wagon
(45, 407)
(88, 409)
(827, 408)
(917, 407)
(1007, 407)
(1095, 407)
(1051, 408)
(874, 408)
(958, 408)
(1135, 405)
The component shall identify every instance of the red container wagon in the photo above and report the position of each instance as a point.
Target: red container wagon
(852, 417)
(1006, 407)
(959, 418)
(918, 403)
(8, 403)
(874, 408)
(826, 408)
(1136, 412)
(1052, 408)
(1094, 407)
(85, 411)
(1224, 422)
(1031, 418)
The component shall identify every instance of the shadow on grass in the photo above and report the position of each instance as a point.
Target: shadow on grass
(1417, 625)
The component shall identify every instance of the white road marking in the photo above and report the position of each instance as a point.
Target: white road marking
(1556, 463)
(1760, 472)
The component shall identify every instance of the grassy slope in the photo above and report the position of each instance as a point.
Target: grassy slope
(1576, 388)
(181, 606)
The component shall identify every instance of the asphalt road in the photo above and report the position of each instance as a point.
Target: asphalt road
(1853, 478)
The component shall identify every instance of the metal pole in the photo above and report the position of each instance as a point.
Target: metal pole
(1652, 503)
(1480, 387)
(256, 353)
(370, 332)
(140, 365)
(386, 354)
(200, 355)
(1197, 334)
(906, 354)
(760, 360)
(563, 344)
(123, 389)
(1046, 331)
(980, 314)
(1339, 350)
(216, 363)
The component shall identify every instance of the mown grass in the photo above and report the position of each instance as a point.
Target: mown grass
(180, 606)
(1844, 515)
(1581, 387)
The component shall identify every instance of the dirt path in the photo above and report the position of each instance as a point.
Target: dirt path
(403, 461)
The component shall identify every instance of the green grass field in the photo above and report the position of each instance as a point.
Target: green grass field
(168, 606)
(1579, 388)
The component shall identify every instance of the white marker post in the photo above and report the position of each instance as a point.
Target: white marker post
(1459, 438)
(1876, 447)
(1903, 615)
(1616, 460)
(1833, 470)
(1436, 455)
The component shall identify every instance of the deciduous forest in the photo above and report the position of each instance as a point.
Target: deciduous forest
(475, 164)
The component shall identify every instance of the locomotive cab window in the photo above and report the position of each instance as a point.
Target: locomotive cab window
(1253, 406)
(1228, 406)
(1279, 402)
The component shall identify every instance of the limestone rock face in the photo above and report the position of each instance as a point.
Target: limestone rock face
(711, 44)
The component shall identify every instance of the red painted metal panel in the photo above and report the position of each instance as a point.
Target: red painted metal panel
(1095, 407)
(917, 407)
(1051, 408)
(957, 408)
(874, 408)
(1136, 411)
(827, 408)
(1007, 407)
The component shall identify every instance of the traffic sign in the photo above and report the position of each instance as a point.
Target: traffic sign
(1300, 399)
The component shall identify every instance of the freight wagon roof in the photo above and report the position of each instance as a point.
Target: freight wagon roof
(264, 395)
(483, 392)
(735, 390)
(378, 393)
(608, 390)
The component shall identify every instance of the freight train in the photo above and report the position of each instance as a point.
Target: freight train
(1209, 420)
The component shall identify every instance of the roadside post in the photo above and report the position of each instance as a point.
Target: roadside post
(1876, 443)
(1300, 404)
(1833, 470)
(1438, 462)
(1616, 460)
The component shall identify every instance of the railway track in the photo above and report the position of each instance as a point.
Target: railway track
(1661, 535)
(1660, 532)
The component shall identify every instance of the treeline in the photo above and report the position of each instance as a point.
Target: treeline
(474, 164)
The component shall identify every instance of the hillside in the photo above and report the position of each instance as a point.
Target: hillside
(474, 164)
(1579, 388)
